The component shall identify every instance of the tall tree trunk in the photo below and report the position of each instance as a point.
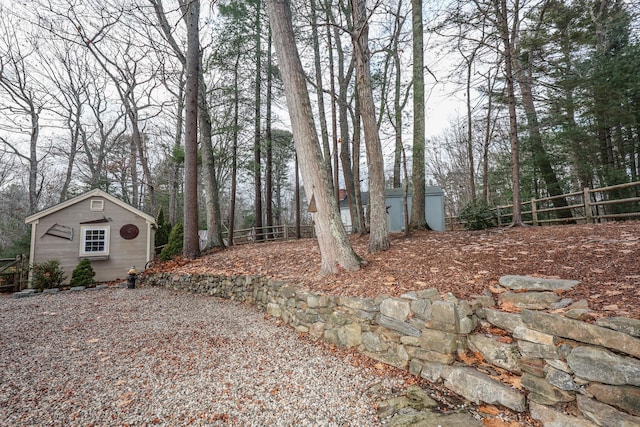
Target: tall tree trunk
(191, 247)
(210, 181)
(297, 197)
(334, 118)
(540, 157)
(174, 180)
(397, 96)
(257, 149)
(472, 169)
(74, 125)
(324, 131)
(335, 248)
(133, 170)
(357, 138)
(234, 152)
(507, 40)
(418, 217)
(268, 185)
(378, 233)
(344, 80)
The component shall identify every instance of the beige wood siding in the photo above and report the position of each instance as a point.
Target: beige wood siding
(122, 253)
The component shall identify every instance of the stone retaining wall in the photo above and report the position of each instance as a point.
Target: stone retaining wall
(563, 370)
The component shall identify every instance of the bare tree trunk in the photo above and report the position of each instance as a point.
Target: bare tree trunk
(523, 74)
(344, 80)
(490, 123)
(334, 118)
(472, 169)
(333, 241)
(297, 197)
(324, 131)
(418, 218)
(378, 233)
(211, 192)
(174, 181)
(234, 153)
(507, 40)
(357, 137)
(257, 150)
(191, 245)
(268, 185)
(133, 170)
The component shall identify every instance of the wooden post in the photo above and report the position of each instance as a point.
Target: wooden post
(534, 212)
(498, 215)
(586, 199)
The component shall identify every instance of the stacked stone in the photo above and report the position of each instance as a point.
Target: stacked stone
(558, 358)
(566, 360)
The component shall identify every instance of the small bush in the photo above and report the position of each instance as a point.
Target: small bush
(174, 246)
(477, 216)
(83, 274)
(47, 275)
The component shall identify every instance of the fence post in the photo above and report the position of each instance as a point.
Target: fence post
(534, 212)
(586, 199)
(498, 215)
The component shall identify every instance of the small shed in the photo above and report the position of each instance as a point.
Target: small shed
(434, 208)
(112, 234)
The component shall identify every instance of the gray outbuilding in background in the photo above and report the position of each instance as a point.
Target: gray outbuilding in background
(434, 208)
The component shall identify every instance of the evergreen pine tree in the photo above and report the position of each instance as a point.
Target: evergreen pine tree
(164, 229)
(174, 246)
(83, 274)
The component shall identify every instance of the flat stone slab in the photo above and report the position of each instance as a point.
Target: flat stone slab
(603, 366)
(605, 415)
(522, 283)
(579, 331)
(529, 300)
(21, 295)
(479, 387)
(622, 324)
(551, 418)
(398, 326)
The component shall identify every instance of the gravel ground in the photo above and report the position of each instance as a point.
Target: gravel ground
(150, 356)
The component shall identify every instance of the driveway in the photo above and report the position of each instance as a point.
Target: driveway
(150, 356)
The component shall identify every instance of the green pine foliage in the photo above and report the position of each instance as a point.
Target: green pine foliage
(83, 274)
(47, 275)
(164, 229)
(174, 246)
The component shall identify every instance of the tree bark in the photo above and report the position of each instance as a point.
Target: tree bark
(540, 157)
(191, 246)
(333, 241)
(418, 217)
(378, 231)
(507, 40)
(257, 149)
(324, 131)
(268, 184)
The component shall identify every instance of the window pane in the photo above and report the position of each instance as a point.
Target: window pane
(95, 240)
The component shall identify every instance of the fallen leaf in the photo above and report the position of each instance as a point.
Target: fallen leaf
(488, 409)
(497, 422)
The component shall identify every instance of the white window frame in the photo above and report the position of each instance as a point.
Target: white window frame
(83, 240)
(96, 205)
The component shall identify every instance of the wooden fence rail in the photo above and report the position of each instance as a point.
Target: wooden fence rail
(276, 232)
(13, 273)
(586, 206)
